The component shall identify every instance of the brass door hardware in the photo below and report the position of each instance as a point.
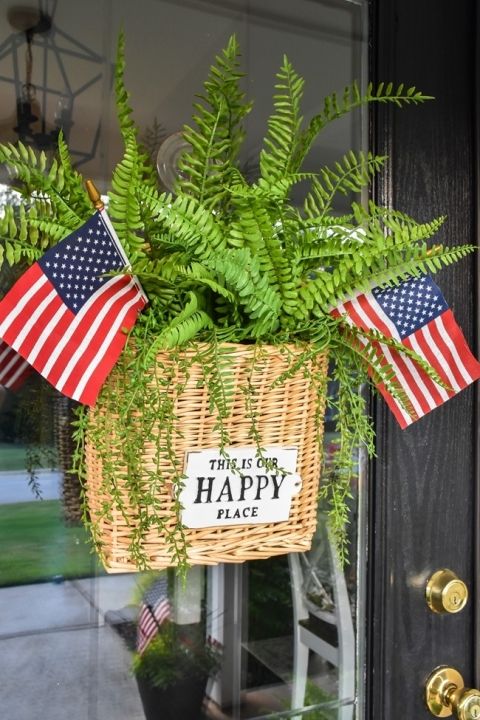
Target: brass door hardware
(446, 593)
(445, 694)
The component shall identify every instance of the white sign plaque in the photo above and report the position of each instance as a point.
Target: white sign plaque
(238, 487)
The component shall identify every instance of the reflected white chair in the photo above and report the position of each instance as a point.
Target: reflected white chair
(340, 653)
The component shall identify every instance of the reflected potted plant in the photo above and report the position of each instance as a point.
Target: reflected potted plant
(173, 670)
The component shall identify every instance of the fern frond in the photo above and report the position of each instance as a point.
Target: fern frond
(378, 342)
(197, 275)
(242, 274)
(207, 168)
(376, 364)
(252, 227)
(73, 186)
(184, 327)
(328, 289)
(395, 265)
(25, 233)
(18, 241)
(36, 177)
(190, 224)
(283, 125)
(128, 127)
(376, 222)
(335, 107)
(354, 430)
(179, 275)
(122, 96)
(217, 361)
(322, 246)
(124, 207)
(271, 193)
(351, 174)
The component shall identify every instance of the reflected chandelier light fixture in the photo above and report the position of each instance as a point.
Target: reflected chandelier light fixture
(27, 103)
(45, 108)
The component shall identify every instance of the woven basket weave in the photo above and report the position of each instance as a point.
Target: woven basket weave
(287, 415)
(71, 484)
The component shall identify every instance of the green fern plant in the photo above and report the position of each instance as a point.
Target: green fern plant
(227, 259)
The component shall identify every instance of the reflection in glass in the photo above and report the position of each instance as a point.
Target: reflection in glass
(272, 638)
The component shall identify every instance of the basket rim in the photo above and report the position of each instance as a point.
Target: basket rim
(300, 344)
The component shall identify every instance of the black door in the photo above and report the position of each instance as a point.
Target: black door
(424, 513)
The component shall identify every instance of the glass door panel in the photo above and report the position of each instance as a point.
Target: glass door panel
(287, 631)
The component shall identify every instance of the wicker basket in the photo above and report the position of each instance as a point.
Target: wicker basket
(63, 416)
(287, 415)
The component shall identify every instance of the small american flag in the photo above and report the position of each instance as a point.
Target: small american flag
(154, 610)
(66, 318)
(415, 314)
(14, 370)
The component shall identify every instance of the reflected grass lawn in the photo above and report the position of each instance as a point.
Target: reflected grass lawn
(14, 457)
(36, 544)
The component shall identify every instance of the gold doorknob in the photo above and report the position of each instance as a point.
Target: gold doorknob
(446, 694)
(446, 593)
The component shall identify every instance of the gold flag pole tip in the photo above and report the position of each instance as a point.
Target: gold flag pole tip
(94, 195)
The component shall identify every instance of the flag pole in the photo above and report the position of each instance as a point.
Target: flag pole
(152, 613)
(94, 195)
(98, 204)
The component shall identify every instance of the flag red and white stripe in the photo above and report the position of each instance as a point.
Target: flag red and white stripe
(438, 340)
(14, 370)
(67, 318)
(155, 609)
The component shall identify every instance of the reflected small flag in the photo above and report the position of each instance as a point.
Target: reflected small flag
(415, 314)
(14, 370)
(154, 610)
(67, 317)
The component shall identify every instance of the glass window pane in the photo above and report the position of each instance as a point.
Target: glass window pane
(286, 633)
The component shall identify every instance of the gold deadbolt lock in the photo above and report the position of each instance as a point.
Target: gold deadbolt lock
(445, 695)
(446, 593)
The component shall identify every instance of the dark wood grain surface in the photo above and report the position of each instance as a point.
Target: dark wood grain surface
(422, 487)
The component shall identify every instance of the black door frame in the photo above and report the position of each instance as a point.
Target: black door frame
(423, 499)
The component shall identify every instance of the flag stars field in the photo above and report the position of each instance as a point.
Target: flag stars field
(72, 335)
(415, 314)
(97, 266)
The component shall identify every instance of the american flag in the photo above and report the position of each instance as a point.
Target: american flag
(415, 314)
(66, 318)
(154, 610)
(14, 370)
